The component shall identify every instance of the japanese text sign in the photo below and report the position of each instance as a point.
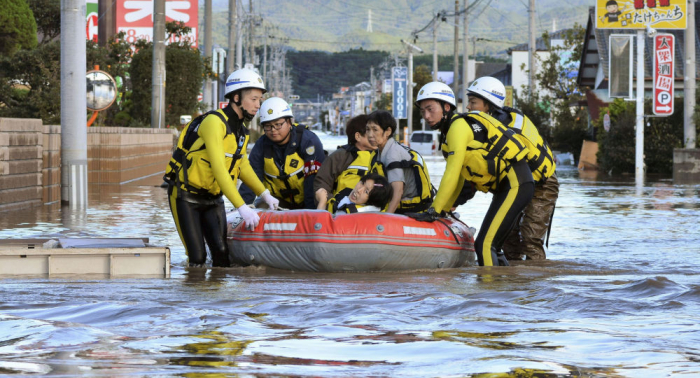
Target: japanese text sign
(399, 78)
(663, 74)
(135, 18)
(637, 14)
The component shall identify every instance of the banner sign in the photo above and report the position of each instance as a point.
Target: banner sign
(638, 14)
(135, 18)
(663, 74)
(399, 76)
(91, 12)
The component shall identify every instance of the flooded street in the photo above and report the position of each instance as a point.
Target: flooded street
(618, 297)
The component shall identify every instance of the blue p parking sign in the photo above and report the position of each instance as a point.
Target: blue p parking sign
(400, 105)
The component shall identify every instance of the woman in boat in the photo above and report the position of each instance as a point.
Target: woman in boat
(372, 193)
(403, 167)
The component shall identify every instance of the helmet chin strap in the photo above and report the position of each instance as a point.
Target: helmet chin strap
(446, 117)
(247, 115)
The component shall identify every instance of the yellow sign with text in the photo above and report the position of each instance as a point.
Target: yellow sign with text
(509, 96)
(638, 14)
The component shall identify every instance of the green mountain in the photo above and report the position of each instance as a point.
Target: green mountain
(340, 25)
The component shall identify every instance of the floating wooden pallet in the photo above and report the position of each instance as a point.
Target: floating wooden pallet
(28, 257)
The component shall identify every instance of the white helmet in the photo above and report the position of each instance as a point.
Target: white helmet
(437, 90)
(274, 108)
(490, 89)
(242, 79)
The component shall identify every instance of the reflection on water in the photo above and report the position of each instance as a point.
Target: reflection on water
(619, 296)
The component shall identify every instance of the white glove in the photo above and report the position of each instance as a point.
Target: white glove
(250, 217)
(272, 202)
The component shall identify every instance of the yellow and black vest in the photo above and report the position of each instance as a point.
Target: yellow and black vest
(285, 181)
(539, 157)
(491, 152)
(426, 190)
(189, 169)
(346, 181)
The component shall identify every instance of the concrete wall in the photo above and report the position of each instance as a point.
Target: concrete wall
(686, 166)
(124, 155)
(30, 160)
(51, 169)
(20, 163)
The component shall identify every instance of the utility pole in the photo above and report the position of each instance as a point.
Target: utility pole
(158, 69)
(689, 134)
(372, 84)
(532, 48)
(409, 81)
(435, 53)
(265, 58)
(251, 33)
(465, 57)
(455, 80)
(208, 38)
(232, 23)
(239, 42)
(74, 171)
(639, 128)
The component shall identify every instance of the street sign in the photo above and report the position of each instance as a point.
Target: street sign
(637, 14)
(400, 106)
(218, 59)
(621, 62)
(293, 97)
(663, 74)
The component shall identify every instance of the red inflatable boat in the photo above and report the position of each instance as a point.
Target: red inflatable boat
(315, 240)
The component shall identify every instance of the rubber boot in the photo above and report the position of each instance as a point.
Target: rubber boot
(500, 257)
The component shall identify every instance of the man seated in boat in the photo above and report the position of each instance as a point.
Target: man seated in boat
(402, 166)
(286, 158)
(371, 193)
(342, 170)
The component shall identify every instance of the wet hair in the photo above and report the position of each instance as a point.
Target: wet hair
(611, 2)
(381, 194)
(384, 119)
(356, 124)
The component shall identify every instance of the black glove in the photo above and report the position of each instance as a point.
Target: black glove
(428, 216)
(467, 193)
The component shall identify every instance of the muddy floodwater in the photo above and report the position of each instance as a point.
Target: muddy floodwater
(619, 296)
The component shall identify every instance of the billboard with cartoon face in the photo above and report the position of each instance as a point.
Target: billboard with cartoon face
(638, 14)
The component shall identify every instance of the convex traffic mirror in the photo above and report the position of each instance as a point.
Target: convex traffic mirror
(101, 90)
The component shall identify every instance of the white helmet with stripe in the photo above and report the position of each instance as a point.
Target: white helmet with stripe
(436, 90)
(274, 108)
(490, 89)
(243, 79)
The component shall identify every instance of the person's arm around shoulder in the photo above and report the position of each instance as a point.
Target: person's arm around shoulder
(458, 136)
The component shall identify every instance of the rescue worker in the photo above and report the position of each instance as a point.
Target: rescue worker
(527, 238)
(403, 167)
(481, 150)
(287, 158)
(343, 168)
(209, 158)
